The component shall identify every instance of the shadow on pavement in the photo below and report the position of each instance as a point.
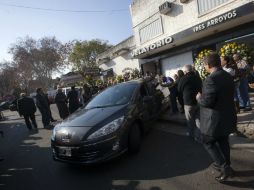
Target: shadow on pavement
(163, 155)
(240, 184)
(246, 117)
(29, 165)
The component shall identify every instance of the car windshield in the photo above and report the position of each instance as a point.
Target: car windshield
(113, 96)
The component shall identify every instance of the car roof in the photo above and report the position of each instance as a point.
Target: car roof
(137, 81)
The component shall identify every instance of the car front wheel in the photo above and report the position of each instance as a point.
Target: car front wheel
(134, 140)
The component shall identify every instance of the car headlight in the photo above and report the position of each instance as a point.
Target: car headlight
(56, 128)
(107, 129)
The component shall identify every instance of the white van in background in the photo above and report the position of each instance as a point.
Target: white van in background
(68, 89)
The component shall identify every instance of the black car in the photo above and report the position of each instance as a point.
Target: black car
(110, 124)
(4, 105)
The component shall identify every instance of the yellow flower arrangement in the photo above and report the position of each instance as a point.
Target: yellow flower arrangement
(232, 48)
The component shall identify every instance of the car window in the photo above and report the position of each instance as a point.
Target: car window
(115, 95)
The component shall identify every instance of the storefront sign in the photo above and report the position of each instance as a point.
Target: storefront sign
(153, 46)
(214, 21)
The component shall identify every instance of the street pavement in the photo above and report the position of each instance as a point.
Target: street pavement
(168, 160)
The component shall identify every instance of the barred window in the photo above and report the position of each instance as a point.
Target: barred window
(151, 30)
(206, 5)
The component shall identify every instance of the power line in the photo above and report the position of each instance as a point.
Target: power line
(63, 10)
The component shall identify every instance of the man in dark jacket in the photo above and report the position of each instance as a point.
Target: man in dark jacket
(189, 86)
(61, 103)
(43, 106)
(217, 114)
(27, 108)
(73, 100)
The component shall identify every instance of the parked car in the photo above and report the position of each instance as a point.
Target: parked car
(110, 124)
(4, 105)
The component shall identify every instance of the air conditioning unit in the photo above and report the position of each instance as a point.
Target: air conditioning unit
(183, 1)
(165, 8)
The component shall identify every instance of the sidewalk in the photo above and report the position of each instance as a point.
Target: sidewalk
(245, 126)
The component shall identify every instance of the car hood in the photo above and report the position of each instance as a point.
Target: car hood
(92, 117)
(72, 130)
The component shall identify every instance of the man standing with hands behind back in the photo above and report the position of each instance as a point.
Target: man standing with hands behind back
(217, 115)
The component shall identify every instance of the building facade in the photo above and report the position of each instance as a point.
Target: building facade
(168, 34)
(118, 58)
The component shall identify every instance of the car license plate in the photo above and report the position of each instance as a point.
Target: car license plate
(65, 151)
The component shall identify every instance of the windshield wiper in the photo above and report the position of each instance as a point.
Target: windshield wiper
(99, 107)
(105, 106)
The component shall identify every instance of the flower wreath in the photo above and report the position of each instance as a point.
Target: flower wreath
(232, 48)
(199, 63)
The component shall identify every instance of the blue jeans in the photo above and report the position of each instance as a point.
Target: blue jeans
(243, 93)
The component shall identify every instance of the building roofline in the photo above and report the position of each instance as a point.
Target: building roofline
(115, 48)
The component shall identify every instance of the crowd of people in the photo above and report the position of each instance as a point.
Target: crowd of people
(210, 106)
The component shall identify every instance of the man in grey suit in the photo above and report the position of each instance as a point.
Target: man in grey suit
(217, 115)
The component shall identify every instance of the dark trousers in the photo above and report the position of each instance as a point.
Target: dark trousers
(28, 123)
(173, 102)
(219, 149)
(45, 114)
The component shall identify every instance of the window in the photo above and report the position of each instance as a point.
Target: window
(206, 5)
(150, 31)
(116, 95)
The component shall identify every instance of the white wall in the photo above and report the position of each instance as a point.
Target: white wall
(171, 65)
(121, 62)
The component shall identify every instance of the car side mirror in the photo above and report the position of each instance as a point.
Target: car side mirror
(147, 98)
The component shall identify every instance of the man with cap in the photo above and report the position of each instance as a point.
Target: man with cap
(27, 109)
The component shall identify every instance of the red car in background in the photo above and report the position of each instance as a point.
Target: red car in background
(51, 96)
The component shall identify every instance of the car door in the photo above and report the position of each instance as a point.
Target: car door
(155, 100)
(145, 104)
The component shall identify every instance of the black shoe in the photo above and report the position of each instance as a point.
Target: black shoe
(224, 175)
(221, 178)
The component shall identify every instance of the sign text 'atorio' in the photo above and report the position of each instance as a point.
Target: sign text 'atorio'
(152, 46)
